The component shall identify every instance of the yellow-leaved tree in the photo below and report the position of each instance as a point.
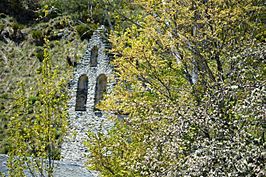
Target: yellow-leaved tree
(38, 123)
(190, 88)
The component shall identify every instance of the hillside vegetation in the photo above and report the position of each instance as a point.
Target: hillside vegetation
(190, 84)
(22, 50)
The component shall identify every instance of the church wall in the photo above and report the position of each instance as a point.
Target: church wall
(82, 121)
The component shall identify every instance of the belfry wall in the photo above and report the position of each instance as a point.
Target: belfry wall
(89, 83)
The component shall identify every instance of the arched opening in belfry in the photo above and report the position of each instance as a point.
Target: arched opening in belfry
(101, 84)
(94, 56)
(82, 92)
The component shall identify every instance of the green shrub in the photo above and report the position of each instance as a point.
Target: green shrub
(85, 31)
(37, 34)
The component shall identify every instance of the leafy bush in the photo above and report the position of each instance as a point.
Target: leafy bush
(190, 86)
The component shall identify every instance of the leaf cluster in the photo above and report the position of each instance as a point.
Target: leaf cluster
(190, 88)
(38, 122)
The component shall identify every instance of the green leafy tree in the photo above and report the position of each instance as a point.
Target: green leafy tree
(190, 85)
(22, 61)
(38, 123)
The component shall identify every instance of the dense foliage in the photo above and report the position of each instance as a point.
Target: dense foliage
(191, 89)
(22, 54)
(38, 123)
(33, 88)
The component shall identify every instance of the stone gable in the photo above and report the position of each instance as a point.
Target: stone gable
(89, 82)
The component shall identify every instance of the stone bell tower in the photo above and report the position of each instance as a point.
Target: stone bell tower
(86, 90)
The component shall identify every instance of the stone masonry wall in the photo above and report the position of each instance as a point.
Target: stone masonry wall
(82, 121)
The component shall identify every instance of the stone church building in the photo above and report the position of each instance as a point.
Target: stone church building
(86, 90)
